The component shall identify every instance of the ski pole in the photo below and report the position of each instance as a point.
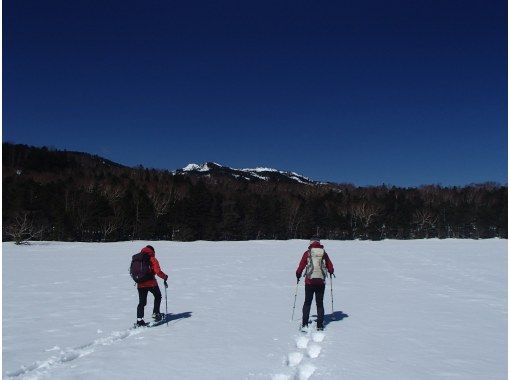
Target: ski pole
(166, 307)
(295, 296)
(331, 275)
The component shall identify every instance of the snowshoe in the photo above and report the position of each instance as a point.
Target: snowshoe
(141, 323)
(158, 317)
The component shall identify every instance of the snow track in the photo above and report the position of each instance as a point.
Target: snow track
(302, 368)
(38, 368)
(314, 350)
(294, 358)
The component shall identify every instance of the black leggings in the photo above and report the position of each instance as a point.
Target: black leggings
(319, 297)
(142, 297)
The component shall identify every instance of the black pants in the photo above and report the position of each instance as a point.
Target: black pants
(142, 297)
(310, 290)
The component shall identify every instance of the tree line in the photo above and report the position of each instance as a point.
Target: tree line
(70, 196)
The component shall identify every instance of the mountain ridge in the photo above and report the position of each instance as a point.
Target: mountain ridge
(22, 158)
(250, 174)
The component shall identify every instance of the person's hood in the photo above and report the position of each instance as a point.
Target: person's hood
(148, 250)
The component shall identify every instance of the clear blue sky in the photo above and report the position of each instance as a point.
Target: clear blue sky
(368, 92)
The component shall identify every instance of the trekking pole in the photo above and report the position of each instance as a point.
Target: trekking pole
(166, 308)
(295, 296)
(331, 275)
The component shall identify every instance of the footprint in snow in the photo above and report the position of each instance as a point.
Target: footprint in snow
(305, 371)
(302, 342)
(314, 350)
(318, 337)
(294, 358)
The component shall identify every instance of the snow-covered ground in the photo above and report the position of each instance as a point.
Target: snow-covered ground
(423, 309)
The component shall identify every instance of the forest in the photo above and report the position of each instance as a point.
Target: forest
(71, 196)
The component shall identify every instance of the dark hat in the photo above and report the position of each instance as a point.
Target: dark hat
(315, 244)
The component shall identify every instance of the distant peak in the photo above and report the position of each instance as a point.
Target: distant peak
(193, 167)
(201, 168)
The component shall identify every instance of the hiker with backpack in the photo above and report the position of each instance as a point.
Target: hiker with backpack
(317, 265)
(144, 267)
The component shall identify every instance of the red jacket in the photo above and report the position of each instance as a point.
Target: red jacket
(304, 261)
(155, 269)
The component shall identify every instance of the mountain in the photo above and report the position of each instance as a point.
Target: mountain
(257, 174)
(25, 159)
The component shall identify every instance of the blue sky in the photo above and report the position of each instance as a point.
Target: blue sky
(367, 92)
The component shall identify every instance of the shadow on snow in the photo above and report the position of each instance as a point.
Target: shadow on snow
(173, 317)
(333, 317)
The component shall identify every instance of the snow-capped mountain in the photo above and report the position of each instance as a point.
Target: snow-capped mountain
(209, 169)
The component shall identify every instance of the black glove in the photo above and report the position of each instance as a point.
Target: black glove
(166, 285)
(298, 276)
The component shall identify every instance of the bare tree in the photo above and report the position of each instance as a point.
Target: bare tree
(363, 213)
(112, 193)
(22, 229)
(294, 218)
(160, 201)
(109, 226)
(424, 219)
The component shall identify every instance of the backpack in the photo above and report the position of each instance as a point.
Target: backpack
(140, 269)
(316, 265)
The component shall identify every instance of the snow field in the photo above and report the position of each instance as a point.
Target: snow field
(420, 309)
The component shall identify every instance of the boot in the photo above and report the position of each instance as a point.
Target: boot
(141, 323)
(157, 316)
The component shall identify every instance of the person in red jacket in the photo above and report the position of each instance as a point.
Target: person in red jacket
(150, 285)
(316, 263)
